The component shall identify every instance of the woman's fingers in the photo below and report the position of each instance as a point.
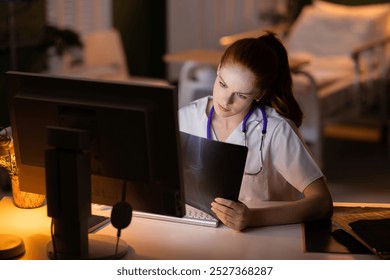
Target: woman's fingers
(233, 214)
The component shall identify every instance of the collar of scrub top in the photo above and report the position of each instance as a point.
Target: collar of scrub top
(243, 126)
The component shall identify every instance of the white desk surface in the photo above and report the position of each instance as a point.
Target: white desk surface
(152, 239)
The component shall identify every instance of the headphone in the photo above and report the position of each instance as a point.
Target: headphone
(121, 215)
(121, 212)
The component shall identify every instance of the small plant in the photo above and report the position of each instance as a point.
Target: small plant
(61, 39)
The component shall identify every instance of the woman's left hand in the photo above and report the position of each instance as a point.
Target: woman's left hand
(235, 215)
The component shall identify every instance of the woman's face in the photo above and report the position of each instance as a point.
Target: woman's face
(234, 90)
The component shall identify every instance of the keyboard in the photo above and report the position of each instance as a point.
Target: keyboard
(193, 216)
(96, 222)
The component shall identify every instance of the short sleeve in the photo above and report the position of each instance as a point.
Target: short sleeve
(291, 157)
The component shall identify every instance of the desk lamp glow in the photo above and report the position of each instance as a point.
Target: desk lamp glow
(11, 246)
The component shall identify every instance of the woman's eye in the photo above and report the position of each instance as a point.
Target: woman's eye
(242, 96)
(222, 84)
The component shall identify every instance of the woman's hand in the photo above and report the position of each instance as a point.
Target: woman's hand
(235, 215)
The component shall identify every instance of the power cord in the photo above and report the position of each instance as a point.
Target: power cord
(52, 239)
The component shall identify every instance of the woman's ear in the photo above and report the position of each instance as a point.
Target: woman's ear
(258, 96)
(263, 95)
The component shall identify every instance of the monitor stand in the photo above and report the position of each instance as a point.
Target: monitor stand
(68, 192)
(101, 247)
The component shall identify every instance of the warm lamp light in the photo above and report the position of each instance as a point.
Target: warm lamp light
(11, 246)
(8, 161)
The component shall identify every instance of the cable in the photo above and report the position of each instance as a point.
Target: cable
(52, 239)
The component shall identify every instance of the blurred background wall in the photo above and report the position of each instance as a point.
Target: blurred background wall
(149, 28)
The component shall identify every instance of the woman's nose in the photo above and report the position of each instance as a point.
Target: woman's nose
(228, 98)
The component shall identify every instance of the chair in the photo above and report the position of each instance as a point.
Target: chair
(104, 53)
(196, 80)
(105, 58)
(311, 129)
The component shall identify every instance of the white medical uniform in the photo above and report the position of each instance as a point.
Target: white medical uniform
(288, 166)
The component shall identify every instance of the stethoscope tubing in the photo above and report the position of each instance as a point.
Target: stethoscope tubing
(244, 122)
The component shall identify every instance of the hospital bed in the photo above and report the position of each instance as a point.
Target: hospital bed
(349, 51)
(347, 47)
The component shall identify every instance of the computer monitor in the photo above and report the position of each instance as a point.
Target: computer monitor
(133, 129)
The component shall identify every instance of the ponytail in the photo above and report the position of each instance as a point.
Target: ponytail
(280, 96)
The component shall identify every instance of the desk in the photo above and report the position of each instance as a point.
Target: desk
(152, 239)
(211, 57)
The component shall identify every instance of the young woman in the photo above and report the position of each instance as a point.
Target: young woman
(253, 105)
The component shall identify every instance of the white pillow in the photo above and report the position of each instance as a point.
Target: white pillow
(362, 10)
(321, 31)
(352, 10)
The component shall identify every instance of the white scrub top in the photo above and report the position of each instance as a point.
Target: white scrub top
(287, 166)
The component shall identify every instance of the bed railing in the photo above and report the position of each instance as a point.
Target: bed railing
(371, 85)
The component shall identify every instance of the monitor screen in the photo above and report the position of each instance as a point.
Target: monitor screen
(133, 130)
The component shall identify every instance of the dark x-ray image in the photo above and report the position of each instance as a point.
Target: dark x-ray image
(211, 169)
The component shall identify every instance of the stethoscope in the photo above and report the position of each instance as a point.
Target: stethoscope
(244, 130)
